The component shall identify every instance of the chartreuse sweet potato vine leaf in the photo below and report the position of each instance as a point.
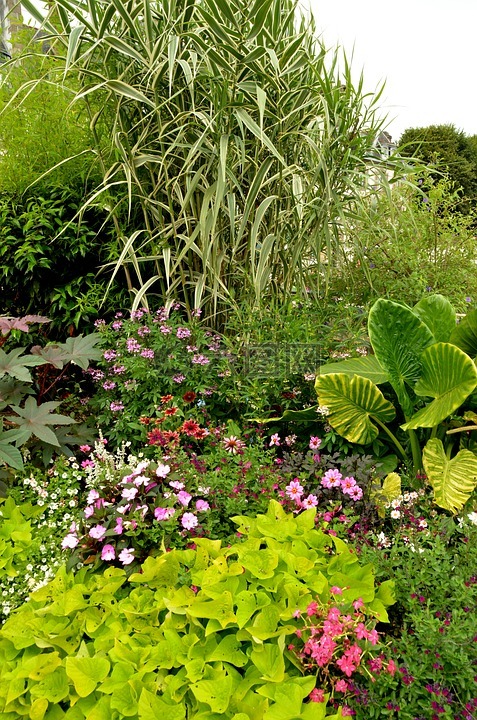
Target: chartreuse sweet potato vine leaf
(34, 420)
(465, 334)
(439, 316)
(449, 376)
(353, 403)
(453, 480)
(367, 367)
(398, 338)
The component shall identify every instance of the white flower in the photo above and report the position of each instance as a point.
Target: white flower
(395, 514)
(395, 504)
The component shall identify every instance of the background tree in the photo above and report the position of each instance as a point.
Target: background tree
(448, 150)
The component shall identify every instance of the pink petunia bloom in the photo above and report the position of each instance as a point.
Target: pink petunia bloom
(129, 493)
(162, 470)
(189, 521)
(92, 496)
(315, 443)
(202, 505)
(184, 498)
(126, 556)
(70, 542)
(161, 513)
(108, 553)
(97, 532)
(88, 511)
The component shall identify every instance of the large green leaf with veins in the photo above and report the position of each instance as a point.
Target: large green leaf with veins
(449, 376)
(439, 316)
(16, 365)
(465, 334)
(368, 367)
(453, 480)
(353, 403)
(399, 338)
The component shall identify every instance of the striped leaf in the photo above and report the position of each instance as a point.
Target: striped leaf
(449, 376)
(453, 480)
(367, 367)
(353, 403)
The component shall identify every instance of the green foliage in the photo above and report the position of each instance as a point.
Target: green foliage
(432, 631)
(237, 145)
(202, 633)
(453, 480)
(35, 418)
(42, 507)
(49, 261)
(410, 244)
(417, 366)
(445, 149)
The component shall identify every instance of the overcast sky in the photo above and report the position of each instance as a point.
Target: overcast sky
(426, 50)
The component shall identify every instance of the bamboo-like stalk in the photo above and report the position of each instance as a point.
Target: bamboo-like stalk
(234, 137)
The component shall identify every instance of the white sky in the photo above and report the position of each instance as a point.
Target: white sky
(426, 50)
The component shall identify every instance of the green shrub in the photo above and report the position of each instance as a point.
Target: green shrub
(202, 634)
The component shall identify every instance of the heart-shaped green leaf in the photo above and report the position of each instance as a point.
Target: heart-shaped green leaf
(352, 404)
(453, 480)
(367, 367)
(398, 338)
(449, 376)
(465, 334)
(439, 316)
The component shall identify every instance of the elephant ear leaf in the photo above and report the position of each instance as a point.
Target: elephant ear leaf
(439, 316)
(465, 334)
(449, 376)
(367, 367)
(453, 480)
(353, 403)
(398, 338)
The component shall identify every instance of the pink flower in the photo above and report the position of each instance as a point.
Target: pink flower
(312, 609)
(331, 479)
(355, 492)
(294, 490)
(361, 631)
(129, 493)
(346, 665)
(161, 513)
(88, 511)
(126, 556)
(341, 686)
(335, 590)
(202, 505)
(358, 604)
(200, 360)
(116, 406)
(233, 444)
(347, 483)
(315, 443)
(189, 521)
(119, 526)
(70, 541)
(97, 532)
(85, 448)
(162, 470)
(310, 502)
(391, 668)
(184, 498)
(274, 440)
(92, 496)
(176, 485)
(317, 695)
(108, 553)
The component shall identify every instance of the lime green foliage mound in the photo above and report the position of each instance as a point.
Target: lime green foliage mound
(202, 633)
